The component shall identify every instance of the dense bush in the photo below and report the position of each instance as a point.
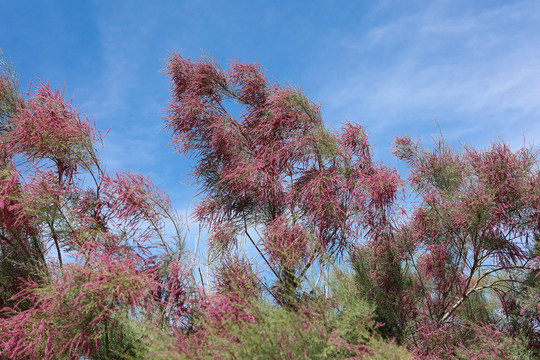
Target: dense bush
(345, 268)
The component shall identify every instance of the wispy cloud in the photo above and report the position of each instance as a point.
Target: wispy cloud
(129, 94)
(476, 70)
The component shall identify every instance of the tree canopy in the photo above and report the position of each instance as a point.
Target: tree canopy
(89, 266)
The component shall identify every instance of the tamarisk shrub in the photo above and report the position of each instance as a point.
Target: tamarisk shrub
(251, 327)
(84, 255)
(469, 240)
(88, 270)
(274, 170)
(18, 245)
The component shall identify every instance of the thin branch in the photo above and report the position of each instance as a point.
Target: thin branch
(259, 250)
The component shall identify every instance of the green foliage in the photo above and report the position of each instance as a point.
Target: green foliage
(479, 308)
(486, 344)
(359, 320)
(393, 281)
(120, 343)
(339, 327)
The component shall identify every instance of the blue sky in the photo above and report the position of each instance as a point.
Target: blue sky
(393, 66)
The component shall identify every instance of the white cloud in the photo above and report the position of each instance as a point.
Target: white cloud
(474, 68)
